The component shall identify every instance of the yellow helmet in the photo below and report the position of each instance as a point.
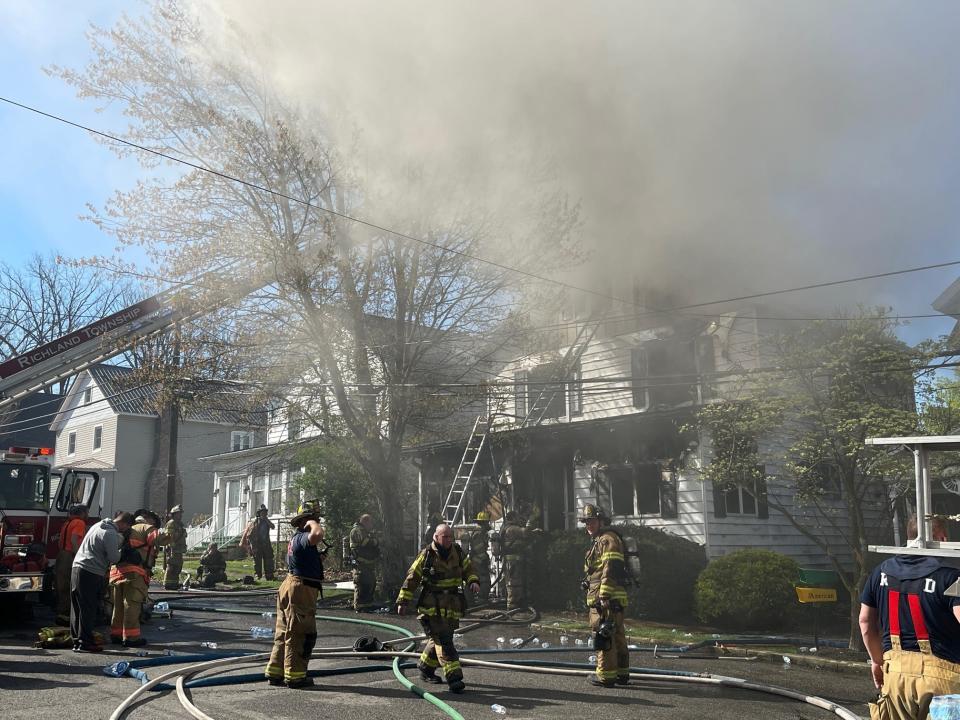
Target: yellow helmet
(591, 512)
(308, 510)
(483, 516)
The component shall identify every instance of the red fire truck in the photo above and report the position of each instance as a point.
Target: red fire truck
(34, 504)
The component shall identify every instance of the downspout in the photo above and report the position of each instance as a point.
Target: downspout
(703, 496)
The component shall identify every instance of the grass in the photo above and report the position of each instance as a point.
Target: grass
(641, 631)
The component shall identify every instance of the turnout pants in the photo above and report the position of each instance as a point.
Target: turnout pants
(263, 561)
(516, 587)
(481, 565)
(171, 577)
(295, 633)
(62, 575)
(364, 584)
(128, 596)
(910, 681)
(615, 662)
(85, 592)
(440, 652)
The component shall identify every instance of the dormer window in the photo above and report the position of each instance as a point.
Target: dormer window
(88, 396)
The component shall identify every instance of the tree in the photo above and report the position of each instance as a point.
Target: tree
(48, 298)
(369, 320)
(831, 385)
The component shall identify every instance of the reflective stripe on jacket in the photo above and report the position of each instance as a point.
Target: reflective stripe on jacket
(441, 580)
(605, 568)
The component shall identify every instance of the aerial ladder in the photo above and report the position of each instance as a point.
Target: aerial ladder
(110, 336)
(483, 425)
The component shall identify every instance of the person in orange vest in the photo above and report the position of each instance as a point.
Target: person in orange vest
(130, 578)
(71, 535)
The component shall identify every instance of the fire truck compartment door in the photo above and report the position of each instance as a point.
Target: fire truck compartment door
(76, 486)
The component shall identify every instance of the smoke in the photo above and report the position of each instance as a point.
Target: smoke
(716, 148)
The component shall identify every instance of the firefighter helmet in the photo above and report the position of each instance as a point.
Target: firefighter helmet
(592, 512)
(483, 516)
(143, 515)
(77, 509)
(308, 510)
(176, 509)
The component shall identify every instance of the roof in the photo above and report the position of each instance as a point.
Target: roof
(223, 402)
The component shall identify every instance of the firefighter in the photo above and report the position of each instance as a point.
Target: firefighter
(177, 534)
(256, 541)
(441, 568)
(213, 567)
(296, 628)
(513, 543)
(130, 578)
(605, 571)
(478, 543)
(364, 551)
(71, 535)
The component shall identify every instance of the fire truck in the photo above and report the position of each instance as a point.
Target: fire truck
(34, 505)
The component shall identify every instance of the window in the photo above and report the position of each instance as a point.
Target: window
(71, 443)
(746, 498)
(666, 373)
(25, 487)
(241, 440)
(276, 494)
(259, 492)
(545, 392)
(97, 437)
(233, 493)
(643, 489)
(575, 392)
(87, 396)
(294, 423)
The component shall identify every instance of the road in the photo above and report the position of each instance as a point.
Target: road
(39, 684)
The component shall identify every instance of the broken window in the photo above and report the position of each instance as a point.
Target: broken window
(545, 392)
(520, 393)
(644, 489)
(666, 373)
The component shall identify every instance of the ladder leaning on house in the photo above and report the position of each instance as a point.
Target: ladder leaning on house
(480, 434)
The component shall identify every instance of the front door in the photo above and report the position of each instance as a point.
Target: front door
(233, 512)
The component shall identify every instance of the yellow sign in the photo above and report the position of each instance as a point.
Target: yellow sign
(811, 595)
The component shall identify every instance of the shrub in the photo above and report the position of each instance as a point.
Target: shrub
(669, 566)
(748, 590)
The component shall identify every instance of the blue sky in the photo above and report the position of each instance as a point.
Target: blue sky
(51, 171)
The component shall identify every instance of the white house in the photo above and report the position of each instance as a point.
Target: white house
(109, 425)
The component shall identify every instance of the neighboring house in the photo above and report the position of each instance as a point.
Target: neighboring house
(617, 430)
(108, 425)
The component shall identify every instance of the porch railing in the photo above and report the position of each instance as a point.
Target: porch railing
(199, 535)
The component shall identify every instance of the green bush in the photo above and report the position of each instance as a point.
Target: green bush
(669, 566)
(748, 590)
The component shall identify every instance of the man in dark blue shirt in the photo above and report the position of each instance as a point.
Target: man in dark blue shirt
(911, 630)
(296, 628)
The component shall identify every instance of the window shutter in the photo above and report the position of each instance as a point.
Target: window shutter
(719, 502)
(668, 494)
(763, 511)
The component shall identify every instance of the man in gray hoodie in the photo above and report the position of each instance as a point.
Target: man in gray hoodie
(99, 550)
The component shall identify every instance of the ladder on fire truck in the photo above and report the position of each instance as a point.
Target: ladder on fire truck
(108, 337)
(483, 425)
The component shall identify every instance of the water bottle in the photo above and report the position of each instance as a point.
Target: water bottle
(211, 645)
(516, 642)
(578, 641)
(592, 659)
(261, 633)
(564, 640)
(544, 645)
(268, 615)
(498, 709)
(945, 707)
(161, 608)
(142, 653)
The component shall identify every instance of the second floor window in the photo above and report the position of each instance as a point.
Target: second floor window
(87, 396)
(241, 440)
(71, 443)
(97, 437)
(667, 373)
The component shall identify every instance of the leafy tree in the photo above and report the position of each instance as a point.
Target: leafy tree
(830, 386)
(362, 316)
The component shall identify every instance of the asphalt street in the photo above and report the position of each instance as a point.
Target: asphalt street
(39, 684)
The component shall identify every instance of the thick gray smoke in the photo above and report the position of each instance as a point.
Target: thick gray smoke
(717, 148)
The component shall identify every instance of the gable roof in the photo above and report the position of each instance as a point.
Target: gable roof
(223, 403)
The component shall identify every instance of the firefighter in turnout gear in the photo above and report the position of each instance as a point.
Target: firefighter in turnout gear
(365, 551)
(177, 534)
(130, 578)
(256, 541)
(296, 628)
(911, 629)
(438, 574)
(605, 571)
(71, 535)
(513, 544)
(478, 547)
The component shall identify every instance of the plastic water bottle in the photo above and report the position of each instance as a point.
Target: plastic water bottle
(162, 607)
(578, 641)
(945, 707)
(498, 709)
(211, 645)
(261, 633)
(544, 645)
(268, 615)
(142, 653)
(592, 659)
(516, 642)
(564, 640)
